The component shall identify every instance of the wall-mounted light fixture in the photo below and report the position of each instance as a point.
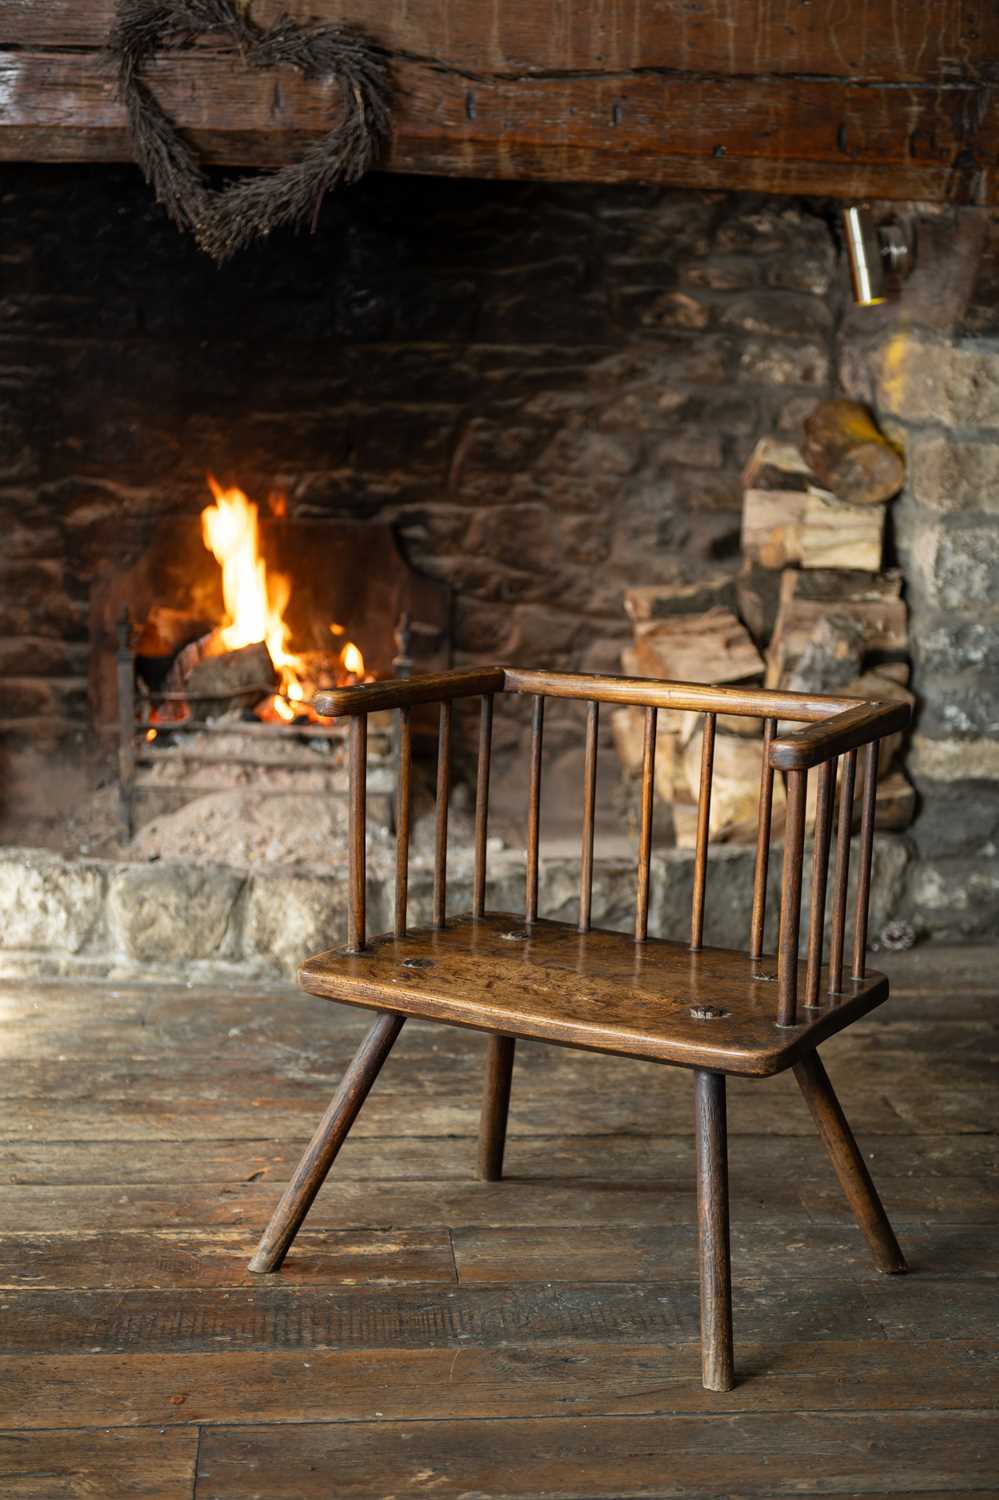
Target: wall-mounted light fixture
(876, 252)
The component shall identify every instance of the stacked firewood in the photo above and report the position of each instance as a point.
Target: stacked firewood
(812, 610)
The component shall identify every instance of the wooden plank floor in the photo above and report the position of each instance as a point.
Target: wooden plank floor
(433, 1335)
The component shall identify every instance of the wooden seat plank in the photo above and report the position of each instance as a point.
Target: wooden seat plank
(599, 990)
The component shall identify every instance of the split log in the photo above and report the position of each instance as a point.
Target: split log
(775, 496)
(683, 597)
(837, 535)
(235, 680)
(808, 597)
(711, 647)
(849, 454)
(758, 593)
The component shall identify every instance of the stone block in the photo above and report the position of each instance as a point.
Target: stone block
(290, 917)
(971, 759)
(783, 364)
(957, 818)
(167, 914)
(950, 474)
(959, 704)
(955, 899)
(922, 379)
(49, 903)
(954, 564)
(783, 314)
(953, 643)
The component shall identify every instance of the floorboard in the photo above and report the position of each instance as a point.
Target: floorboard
(434, 1335)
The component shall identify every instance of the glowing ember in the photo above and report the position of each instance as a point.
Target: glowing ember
(256, 600)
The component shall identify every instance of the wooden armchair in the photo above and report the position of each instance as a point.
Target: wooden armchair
(714, 1010)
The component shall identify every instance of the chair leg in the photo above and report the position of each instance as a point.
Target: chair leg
(310, 1174)
(495, 1107)
(848, 1163)
(712, 1223)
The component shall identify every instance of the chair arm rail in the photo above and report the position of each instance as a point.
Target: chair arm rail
(857, 725)
(401, 692)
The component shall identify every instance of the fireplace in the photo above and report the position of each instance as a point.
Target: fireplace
(499, 416)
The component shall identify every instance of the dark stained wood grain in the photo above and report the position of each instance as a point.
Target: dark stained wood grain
(646, 800)
(711, 1141)
(571, 1338)
(790, 901)
(864, 856)
(534, 809)
(403, 809)
(150, 1464)
(589, 810)
(442, 795)
(848, 1163)
(844, 826)
(741, 127)
(356, 835)
(482, 804)
(824, 807)
(331, 1132)
(569, 1460)
(779, 38)
(703, 824)
(636, 999)
(498, 1381)
(764, 818)
(495, 1107)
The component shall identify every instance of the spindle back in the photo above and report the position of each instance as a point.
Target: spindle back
(837, 728)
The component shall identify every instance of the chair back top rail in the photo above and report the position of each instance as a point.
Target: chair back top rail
(835, 723)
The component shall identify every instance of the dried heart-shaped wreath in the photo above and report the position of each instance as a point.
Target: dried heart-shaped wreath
(225, 220)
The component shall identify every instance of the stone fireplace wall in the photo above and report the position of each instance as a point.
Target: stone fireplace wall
(550, 390)
(929, 364)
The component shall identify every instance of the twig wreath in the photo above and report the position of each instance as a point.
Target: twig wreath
(225, 220)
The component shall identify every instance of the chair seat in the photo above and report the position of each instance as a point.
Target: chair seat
(600, 990)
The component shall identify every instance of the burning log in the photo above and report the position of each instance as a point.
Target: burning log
(849, 454)
(234, 680)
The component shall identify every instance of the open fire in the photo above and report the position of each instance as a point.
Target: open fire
(246, 661)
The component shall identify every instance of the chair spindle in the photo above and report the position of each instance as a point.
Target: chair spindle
(482, 804)
(402, 819)
(645, 829)
(866, 854)
(820, 877)
(357, 831)
(443, 790)
(764, 819)
(534, 809)
(790, 900)
(844, 829)
(589, 807)
(703, 825)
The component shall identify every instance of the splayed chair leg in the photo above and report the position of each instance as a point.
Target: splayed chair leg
(321, 1152)
(848, 1164)
(495, 1107)
(712, 1223)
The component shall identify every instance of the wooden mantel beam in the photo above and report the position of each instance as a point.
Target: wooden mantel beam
(871, 100)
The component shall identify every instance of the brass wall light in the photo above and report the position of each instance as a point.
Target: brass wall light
(877, 252)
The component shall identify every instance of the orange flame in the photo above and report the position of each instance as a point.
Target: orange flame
(255, 600)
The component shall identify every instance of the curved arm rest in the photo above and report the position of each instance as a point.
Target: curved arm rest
(400, 692)
(843, 731)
